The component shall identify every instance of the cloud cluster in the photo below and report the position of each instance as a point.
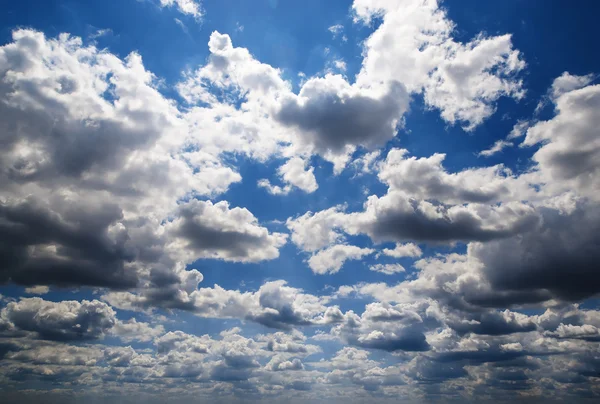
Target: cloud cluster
(110, 187)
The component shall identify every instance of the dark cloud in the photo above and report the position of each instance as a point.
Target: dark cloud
(413, 224)
(408, 340)
(332, 115)
(494, 323)
(561, 257)
(40, 247)
(428, 371)
(210, 230)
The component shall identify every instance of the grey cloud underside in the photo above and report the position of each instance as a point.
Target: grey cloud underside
(562, 256)
(331, 122)
(63, 321)
(85, 255)
(416, 226)
(201, 237)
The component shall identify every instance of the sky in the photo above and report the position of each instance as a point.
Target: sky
(288, 201)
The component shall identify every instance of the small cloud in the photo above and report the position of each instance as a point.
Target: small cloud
(188, 7)
(37, 290)
(182, 25)
(336, 30)
(340, 65)
(496, 148)
(101, 32)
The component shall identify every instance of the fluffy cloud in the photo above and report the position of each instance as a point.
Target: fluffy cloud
(105, 182)
(93, 160)
(414, 46)
(274, 305)
(133, 330)
(569, 158)
(332, 259)
(403, 250)
(190, 7)
(207, 230)
(294, 174)
(332, 115)
(62, 321)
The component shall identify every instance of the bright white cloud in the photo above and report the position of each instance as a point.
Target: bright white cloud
(190, 7)
(331, 259)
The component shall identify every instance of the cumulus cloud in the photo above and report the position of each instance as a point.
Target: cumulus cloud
(331, 260)
(569, 156)
(133, 330)
(207, 230)
(190, 7)
(332, 115)
(93, 161)
(107, 183)
(274, 304)
(414, 46)
(403, 250)
(68, 320)
(295, 174)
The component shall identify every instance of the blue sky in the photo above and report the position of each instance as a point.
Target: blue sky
(278, 200)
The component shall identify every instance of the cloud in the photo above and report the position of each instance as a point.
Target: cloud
(569, 156)
(384, 327)
(560, 257)
(331, 259)
(41, 247)
(313, 231)
(207, 230)
(336, 30)
(387, 269)
(274, 305)
(332, 115)
(37, 290)
(414, 46)
(496, 148)
(63, 321)
(93, 160)
(426, 178)
(294, 174)
(133, 330)
(189, 7)
(404, 250)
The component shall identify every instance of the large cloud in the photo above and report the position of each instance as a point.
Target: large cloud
(414, 46)
(93, 159)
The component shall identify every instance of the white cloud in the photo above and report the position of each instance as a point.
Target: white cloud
(313, 231)
(37, 290)
(132, 330)
(293, 173)
(404, 250)
(414, 46)
(189, 7)
(497, 147)
(336, 30)
(387, 269)
(331, 259)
